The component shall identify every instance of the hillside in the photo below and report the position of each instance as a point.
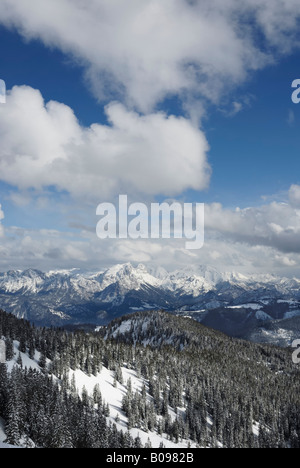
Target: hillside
(147, 379)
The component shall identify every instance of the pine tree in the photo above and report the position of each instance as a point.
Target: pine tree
(43, 361)
(19, 360)
(13, 412)
(3, 389)
(9, 349)
(97, 396)
(22, 345)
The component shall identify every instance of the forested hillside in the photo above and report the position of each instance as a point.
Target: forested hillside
(177, 383)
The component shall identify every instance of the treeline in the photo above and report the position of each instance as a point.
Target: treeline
(203, 386)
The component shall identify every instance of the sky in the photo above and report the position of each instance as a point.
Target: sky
(182, 100)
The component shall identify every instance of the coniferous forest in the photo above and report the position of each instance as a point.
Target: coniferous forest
(199, 386)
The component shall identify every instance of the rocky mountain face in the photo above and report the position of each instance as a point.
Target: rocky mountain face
(259, 308)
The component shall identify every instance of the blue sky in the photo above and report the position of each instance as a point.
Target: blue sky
(50, 71)
(224, 107)
(253, 153)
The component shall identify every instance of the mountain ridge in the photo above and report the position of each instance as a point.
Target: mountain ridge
(205, 276)
(231, 302)
(146, 380)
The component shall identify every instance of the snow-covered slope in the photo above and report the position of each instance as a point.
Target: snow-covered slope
(164, 379)
(112, 393)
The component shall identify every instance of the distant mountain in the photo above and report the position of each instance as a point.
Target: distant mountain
(259, 307)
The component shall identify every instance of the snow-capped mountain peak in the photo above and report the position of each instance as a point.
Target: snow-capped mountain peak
(128, 277)
(73, 296)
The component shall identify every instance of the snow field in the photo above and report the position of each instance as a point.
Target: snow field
(111, 395)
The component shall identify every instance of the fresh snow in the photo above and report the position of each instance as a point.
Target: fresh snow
(3, 436)
(192, 281)
(260, 315)
(285, 336)
(123, 328)
(112, 395)
(292, 314)
(252, 306)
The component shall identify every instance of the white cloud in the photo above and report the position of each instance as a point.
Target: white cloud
(43, 145)
(147, 50)
(294, 195)
(143, 51)
(1, 218)
(258, 239)
(276, 225)
(43, 249)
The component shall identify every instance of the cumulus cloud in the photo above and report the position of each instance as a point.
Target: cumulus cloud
(141, 52)
(53, 249)
(276, 225)
(43, 145)
(257, 239)
(42, 249)
(146, 51)
(294, 195)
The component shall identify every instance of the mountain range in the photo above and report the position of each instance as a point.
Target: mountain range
(257, 307)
